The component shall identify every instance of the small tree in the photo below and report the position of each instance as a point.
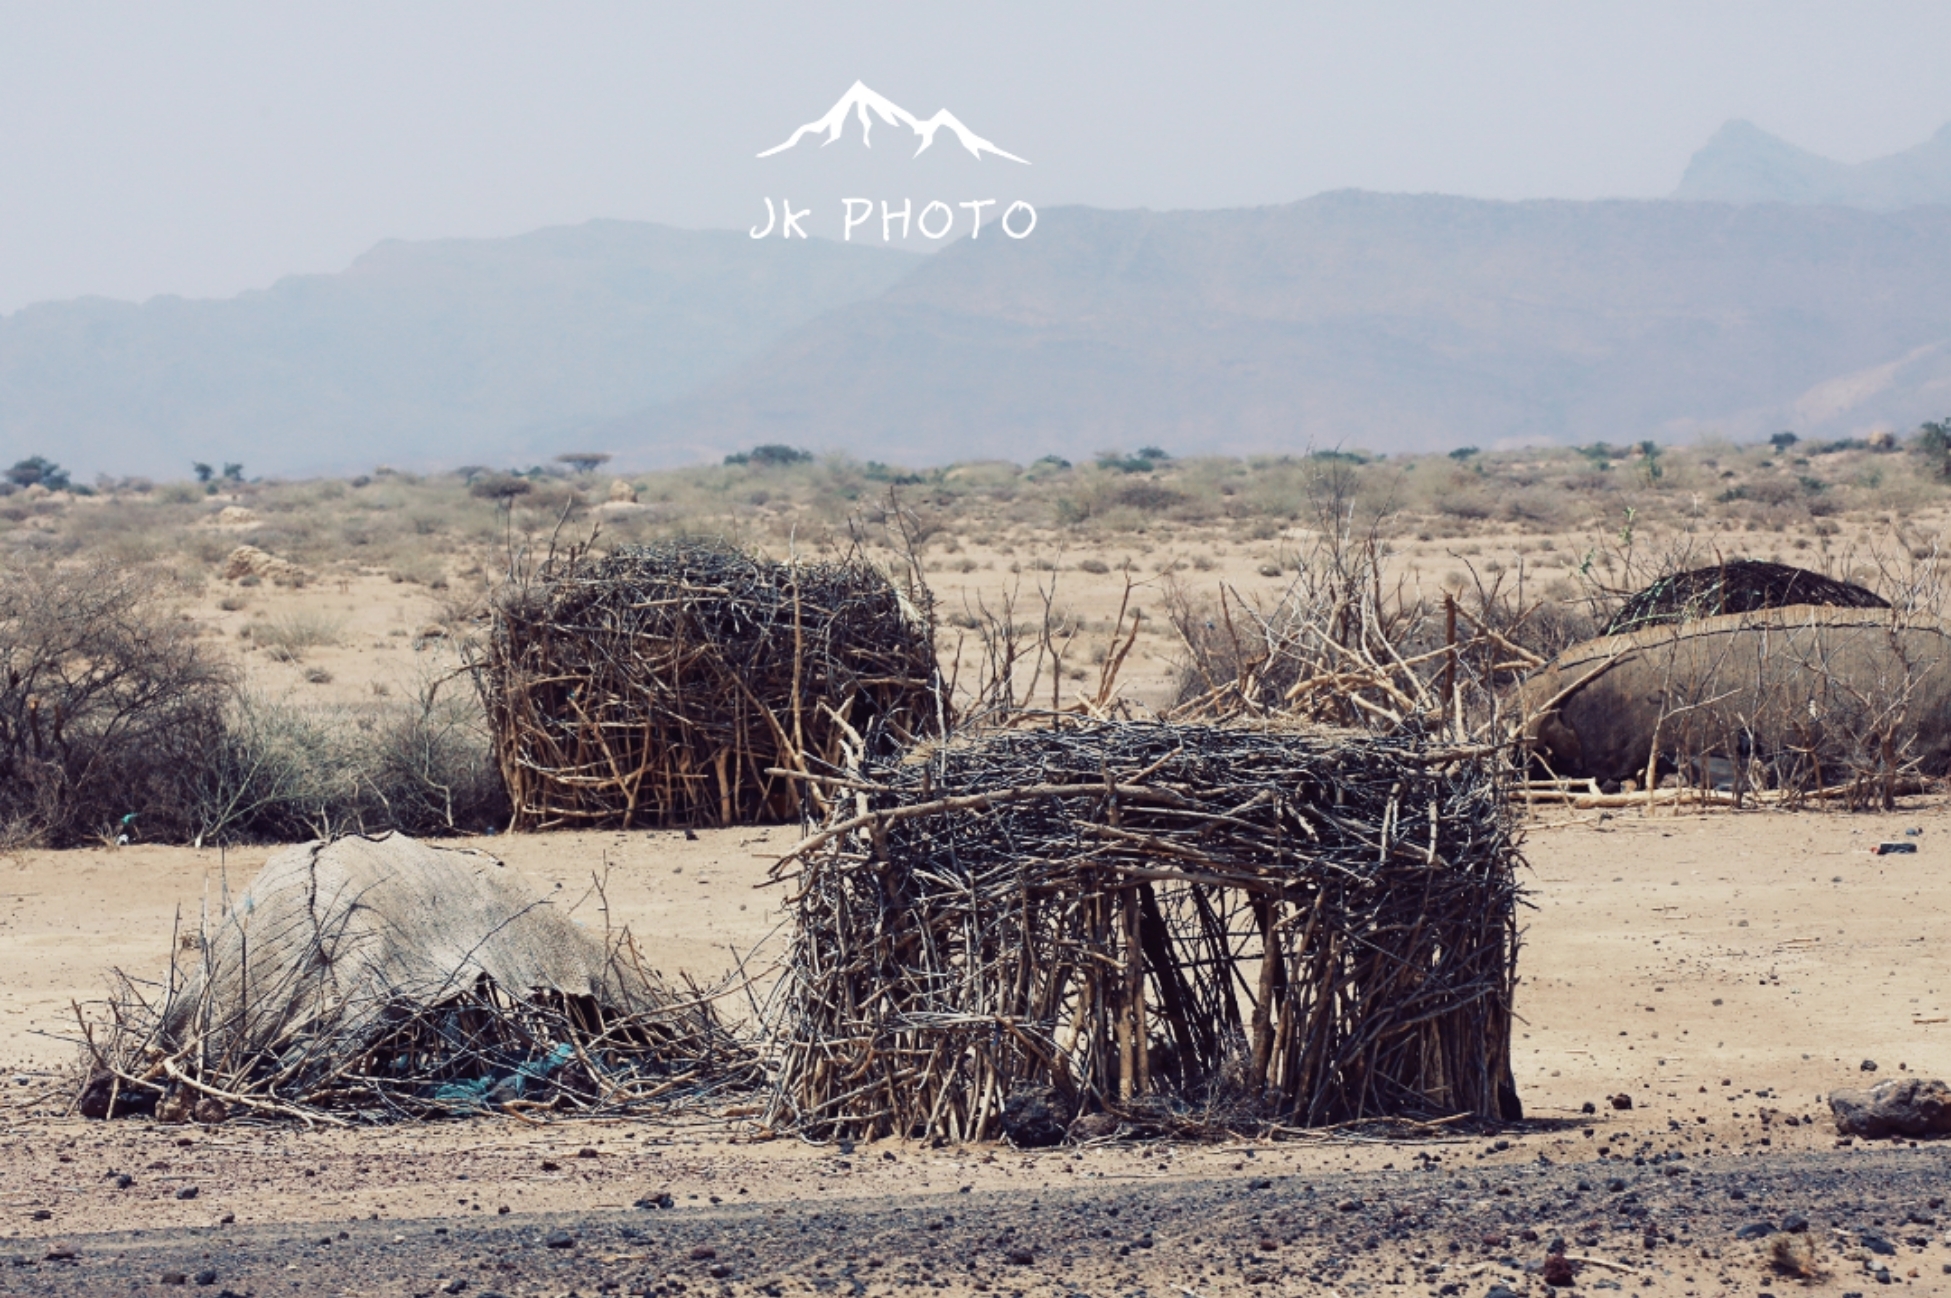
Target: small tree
(1462, 453)
(584, 461)
(1933, 442)
(204, 473)
(1650, 467)
(1782, 441)
(502, 488)
(38, 471)
(233, 472)
(774, 455)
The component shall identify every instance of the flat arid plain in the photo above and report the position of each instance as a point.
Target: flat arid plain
(1724, 971)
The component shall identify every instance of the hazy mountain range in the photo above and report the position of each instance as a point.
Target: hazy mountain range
(1745, 164)
(442, 352)
(1392, 322)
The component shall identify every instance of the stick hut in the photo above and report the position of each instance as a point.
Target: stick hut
(1190, 927)
(666, 685)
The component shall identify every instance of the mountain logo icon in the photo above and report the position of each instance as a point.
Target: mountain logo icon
(865, 104)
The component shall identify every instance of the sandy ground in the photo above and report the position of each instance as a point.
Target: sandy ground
(1725, 971)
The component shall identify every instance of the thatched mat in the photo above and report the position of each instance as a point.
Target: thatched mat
(1737, 586)
(1796, 698)
(1078, 918)
(667, 684)
(388, 977)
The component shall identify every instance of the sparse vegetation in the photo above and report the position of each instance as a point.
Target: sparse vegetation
(1569, 527)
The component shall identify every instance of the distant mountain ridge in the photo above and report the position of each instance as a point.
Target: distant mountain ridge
(1385, 321)
(1744, 164)
(1392, 322)
(426, 353)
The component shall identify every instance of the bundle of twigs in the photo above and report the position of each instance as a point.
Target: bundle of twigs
(1194, 927)
(1734, 586)
(317, 996)
(659, 685)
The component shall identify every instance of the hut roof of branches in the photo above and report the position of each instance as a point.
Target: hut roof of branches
(1737, 586)
(669, 684)
(379, 978)
(1186, 927)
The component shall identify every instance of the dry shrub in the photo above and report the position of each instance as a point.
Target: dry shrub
(287, 638)
(107, 703)
(1793, 1256)
(281, 773)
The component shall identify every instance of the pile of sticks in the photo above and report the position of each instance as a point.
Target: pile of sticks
(178, 1051)
(181, 1050)
(660, 686)
(1198, 928)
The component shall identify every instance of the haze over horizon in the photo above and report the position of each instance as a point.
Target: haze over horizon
(208, 150)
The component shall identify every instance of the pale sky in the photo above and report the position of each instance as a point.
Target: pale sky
(204, 149)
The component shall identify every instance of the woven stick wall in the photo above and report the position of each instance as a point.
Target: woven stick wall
(660, 685)
(1088, 910)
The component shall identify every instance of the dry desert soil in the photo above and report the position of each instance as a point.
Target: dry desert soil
(1724, 971)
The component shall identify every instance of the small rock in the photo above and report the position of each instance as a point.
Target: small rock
(175, 1277)
(1020, 1257)
(656, 1201)
(1755, 1230)
(58, 1253)
(1616, 1185)
(187, 1192)
(1622, 1101)
(1501, 1291)
(1795, 1224)
(587, 1152)
(176, 1106)
(205, 1277)
(718, 1271)
(1036, 1117)
(1560, 1271)
(1877, 1244)
(455, 1285)
(43, 1214)
(549, 1166)
(1094, 1126)
(1867, 1066)
(210, 1111)
(123, 1180)
(703, 1253)
(559, 1239)
(1908, 1106)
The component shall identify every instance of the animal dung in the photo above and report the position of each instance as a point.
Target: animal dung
(1192, 927)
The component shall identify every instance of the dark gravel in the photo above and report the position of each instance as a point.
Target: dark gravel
(1438, 1231)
